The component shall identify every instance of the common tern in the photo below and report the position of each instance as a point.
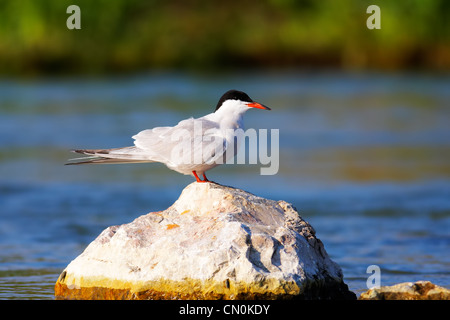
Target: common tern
(192, 147)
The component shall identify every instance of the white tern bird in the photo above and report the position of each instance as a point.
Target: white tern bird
(193, 146)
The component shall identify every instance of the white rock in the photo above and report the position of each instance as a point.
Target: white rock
(213, 242)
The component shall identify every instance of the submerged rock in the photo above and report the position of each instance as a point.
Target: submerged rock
(420, 290)
(214, 242)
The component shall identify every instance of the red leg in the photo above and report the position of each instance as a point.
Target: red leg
(196, 176)
(205, 179)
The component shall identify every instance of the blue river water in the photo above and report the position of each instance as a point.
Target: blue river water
(365, 158)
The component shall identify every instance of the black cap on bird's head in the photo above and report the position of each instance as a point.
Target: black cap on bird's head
(240, 96)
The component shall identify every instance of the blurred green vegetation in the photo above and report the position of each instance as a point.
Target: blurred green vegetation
(136, 35)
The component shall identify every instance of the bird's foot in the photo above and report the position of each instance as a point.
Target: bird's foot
(205, 179)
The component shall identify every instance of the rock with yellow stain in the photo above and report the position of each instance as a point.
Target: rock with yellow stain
(214, 242)
(420, 290)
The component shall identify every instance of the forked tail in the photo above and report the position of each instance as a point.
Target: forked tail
(108, 156)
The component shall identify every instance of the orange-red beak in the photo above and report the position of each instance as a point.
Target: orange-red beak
(257, 105)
